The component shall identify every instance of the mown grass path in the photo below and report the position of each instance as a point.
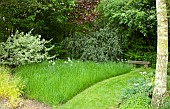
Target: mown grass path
(103, 95)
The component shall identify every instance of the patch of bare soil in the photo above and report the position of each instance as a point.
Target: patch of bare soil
(28, 104)
(32, 104)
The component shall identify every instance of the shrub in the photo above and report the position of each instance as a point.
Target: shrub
(139, 94)
(137, 101)
(10, 88)
(143, 85)
(102, 45)
(23, 48)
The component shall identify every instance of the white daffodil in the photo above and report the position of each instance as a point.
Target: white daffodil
(65, 62)
(53, 63)
(69, 60)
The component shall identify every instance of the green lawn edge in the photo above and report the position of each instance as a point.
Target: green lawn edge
(103, 95)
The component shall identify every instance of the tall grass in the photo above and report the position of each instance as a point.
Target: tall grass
(59, 82)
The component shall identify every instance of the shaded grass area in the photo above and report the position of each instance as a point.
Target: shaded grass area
(104, 95)
(57, 83)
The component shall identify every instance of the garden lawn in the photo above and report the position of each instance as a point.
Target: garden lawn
(104, 95)
(57, 83)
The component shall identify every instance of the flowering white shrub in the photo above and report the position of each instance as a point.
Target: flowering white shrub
(23, 48)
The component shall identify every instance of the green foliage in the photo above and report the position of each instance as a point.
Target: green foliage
(134, 21)
(17, 15)
(102, 45)
(143, 85)
(58, 81)
(165, 104)
(49, 18)
(168, 84)
(20, 49)
(52, 20)
(130, 15)
(142, 56)
(137, 101)
(58, 51)
(10, 88)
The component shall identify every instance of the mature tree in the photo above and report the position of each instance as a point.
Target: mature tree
(162, 54)
(134, 21)
(16, 15)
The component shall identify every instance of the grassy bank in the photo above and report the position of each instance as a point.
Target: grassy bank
(104, 95)
(57, 83)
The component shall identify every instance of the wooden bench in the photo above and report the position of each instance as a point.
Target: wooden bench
(145, 63)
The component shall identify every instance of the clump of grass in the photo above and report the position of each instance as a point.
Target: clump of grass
(57, 82)
(10, 88)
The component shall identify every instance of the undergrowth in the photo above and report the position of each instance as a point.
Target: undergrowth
(10, 88)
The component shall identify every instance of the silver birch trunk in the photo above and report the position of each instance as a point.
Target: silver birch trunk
(160, 87)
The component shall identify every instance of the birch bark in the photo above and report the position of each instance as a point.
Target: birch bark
(162, 54)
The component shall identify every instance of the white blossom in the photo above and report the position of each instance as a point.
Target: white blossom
(69, 60)
(53, 63)
(65, 62)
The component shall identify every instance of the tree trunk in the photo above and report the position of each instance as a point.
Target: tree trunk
(160, 87)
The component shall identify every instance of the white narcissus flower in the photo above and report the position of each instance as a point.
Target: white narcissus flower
(69, 60)
(65, 62)
(50, 61)
(53, 63)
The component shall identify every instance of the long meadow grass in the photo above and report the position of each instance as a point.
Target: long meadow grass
(59, 81)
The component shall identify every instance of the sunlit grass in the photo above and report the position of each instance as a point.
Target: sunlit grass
(57, 83)
(103, 95)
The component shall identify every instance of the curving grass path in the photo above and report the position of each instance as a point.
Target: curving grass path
(103, 95)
